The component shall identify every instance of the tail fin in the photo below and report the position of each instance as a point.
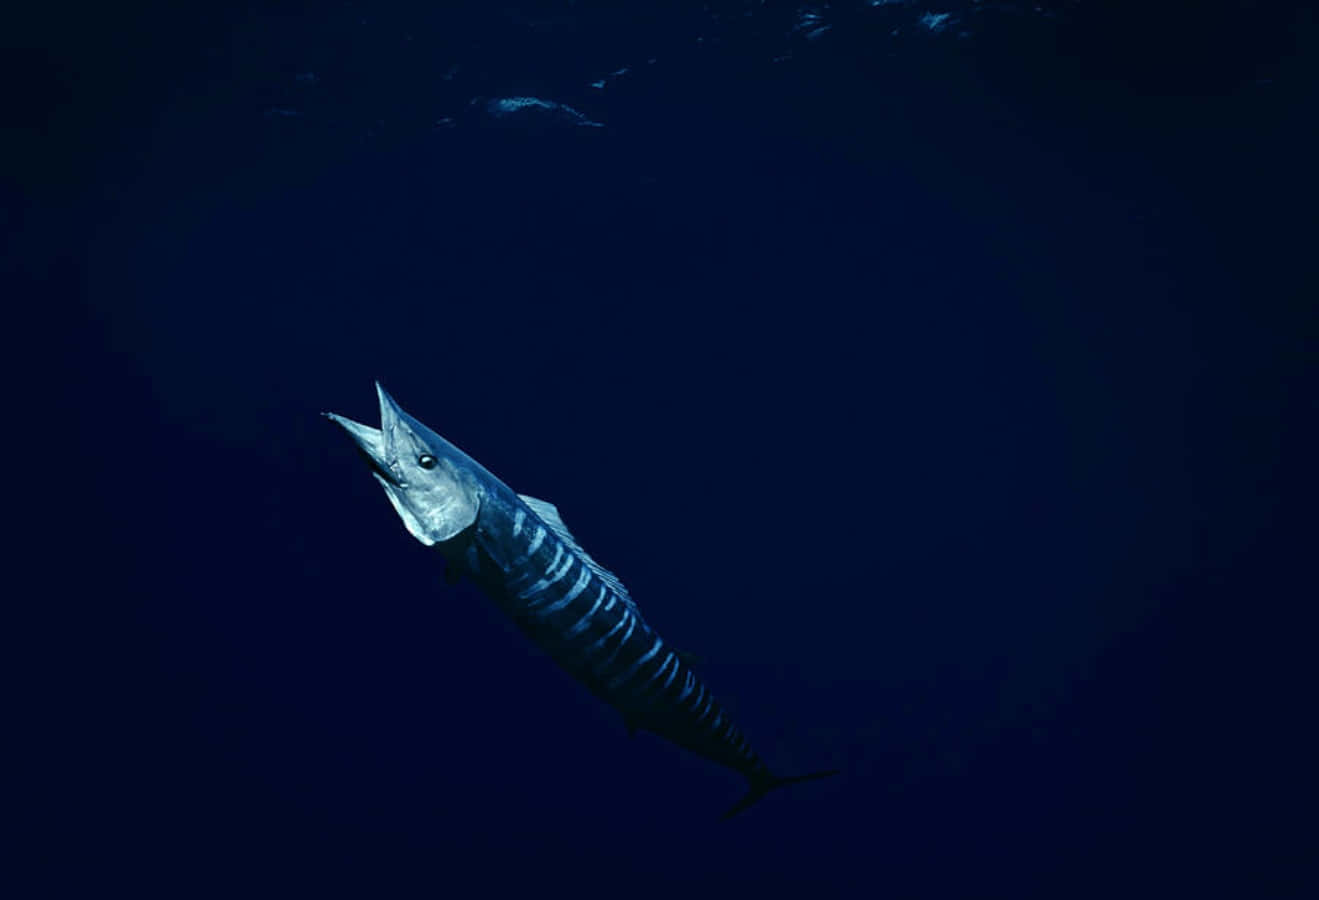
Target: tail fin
(761, 784)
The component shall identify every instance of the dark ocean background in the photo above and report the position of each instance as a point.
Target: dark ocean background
(931, 372)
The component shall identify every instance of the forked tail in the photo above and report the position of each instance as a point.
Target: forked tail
(761, 784)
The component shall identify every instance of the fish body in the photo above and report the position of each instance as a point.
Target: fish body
(517, 549)
(582, 617)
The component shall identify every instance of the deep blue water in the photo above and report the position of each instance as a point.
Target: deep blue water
(933, 388)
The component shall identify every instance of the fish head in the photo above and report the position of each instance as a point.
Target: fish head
(431, 484)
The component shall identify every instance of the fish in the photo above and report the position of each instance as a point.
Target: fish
(522, 556)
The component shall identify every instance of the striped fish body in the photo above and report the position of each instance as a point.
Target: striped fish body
(524, 558)
(579, 614)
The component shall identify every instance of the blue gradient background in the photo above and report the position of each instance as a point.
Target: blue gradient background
(939, 404)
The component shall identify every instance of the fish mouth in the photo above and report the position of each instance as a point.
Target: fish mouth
(382, 470)
(370, 446)
(374, 443)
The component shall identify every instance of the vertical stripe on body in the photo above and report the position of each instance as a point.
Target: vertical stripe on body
(514, 567)
(627, 674)
(688, 684)
(581, 624)
(531, 572)
(553, 576)
(676, 665)
(598, 643)
(631, 625)
(573, 593)
(664, 664)
(708, 703)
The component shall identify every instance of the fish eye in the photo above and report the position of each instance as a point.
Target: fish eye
(426, 461)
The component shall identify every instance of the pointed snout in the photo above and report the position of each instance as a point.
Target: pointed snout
(377, 444)
(373, 441)
(367, 438)
(370, 442)
(391, 416)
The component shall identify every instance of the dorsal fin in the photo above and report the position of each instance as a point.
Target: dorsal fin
(550, 516)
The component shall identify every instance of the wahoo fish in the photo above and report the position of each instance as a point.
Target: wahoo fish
(518, 551)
